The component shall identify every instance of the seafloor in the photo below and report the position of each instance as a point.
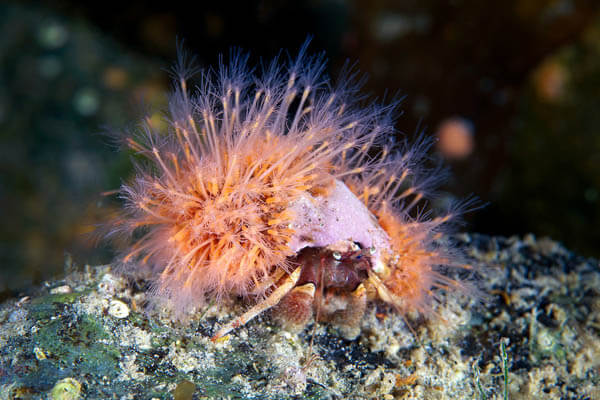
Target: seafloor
(538, 336)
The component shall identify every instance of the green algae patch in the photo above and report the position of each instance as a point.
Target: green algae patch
(71, 345)
(78, 344)
(59, 298)
(55, 342)
(47, 306)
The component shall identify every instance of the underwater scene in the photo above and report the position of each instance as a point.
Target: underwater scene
(300, 200)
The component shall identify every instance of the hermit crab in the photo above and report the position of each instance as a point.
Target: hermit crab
(289, 191)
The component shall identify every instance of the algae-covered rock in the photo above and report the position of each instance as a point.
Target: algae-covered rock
(543, 306)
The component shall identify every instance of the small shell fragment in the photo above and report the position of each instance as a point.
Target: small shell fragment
(64, 289)
(66, 389)
(39, 353)
(118, 309)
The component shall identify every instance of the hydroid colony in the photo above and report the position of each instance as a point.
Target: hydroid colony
(279, 187)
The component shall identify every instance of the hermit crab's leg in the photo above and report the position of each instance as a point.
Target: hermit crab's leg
(389, 297)
(383, 292)
(264, 305)
(268, 281)
(349, 319)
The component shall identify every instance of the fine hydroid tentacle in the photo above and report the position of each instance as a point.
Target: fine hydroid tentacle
(226, 199)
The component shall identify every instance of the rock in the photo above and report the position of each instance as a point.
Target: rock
(542, 304)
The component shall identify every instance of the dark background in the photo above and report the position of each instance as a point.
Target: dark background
(520, 79)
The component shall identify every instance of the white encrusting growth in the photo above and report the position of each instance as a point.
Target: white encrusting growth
(339, 216)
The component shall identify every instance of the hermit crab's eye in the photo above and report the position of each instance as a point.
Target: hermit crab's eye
(355, 246)
(336, 255)
(372, 250)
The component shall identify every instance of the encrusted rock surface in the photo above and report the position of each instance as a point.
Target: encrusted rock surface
(92, 326)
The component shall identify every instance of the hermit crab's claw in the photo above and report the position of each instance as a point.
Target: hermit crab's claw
(273, 299)
(296, 309)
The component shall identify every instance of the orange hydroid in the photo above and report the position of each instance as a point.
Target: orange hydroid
(256, 166)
